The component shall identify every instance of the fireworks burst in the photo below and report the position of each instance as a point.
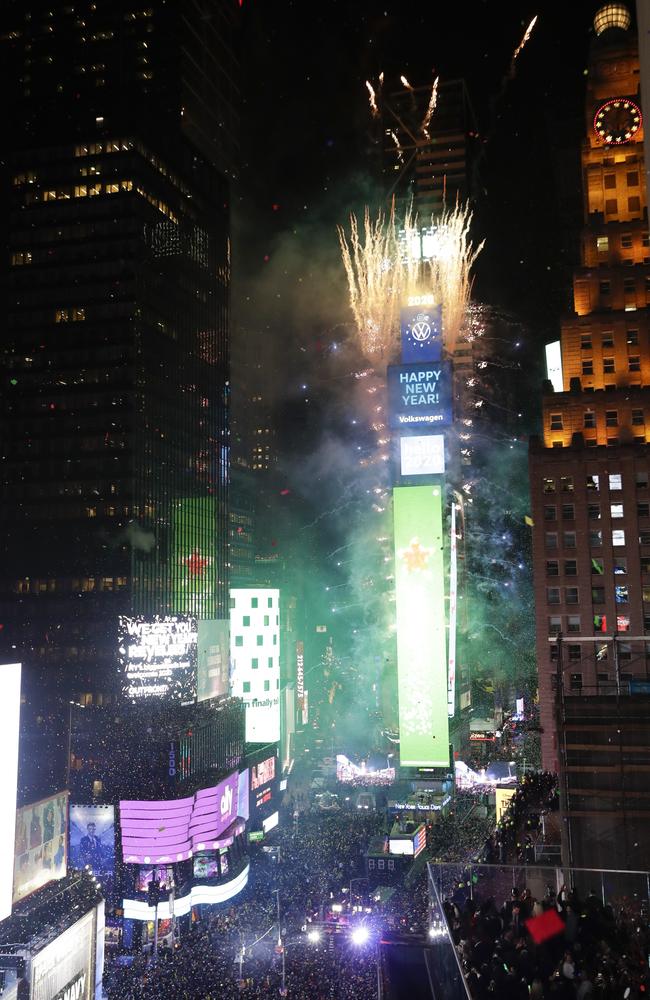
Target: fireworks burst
(372, 97)
(433, 100)
(405, 83)
(383, 268)
(400, 154)
(527, 33)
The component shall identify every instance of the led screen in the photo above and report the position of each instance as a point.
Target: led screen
(420, 614)
(157, 658)
(41, 844)
(262, 773)
(162, 873)
(271, 822)
(206, 866)
(554, 365)
(255, 660)
(9, 723)
(422, 455)
(172, 830)
(421, 337)
(244, 792)
(92, 838)
(65, 968)
(213, 659)
(194, 563)
(419, 395)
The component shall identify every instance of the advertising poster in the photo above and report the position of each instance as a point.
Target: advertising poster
(9, 726)
(419, 395)
(194, 526)
(255, 659)
(92, 838)
(421, 626)
(41, 844)
(213, 658)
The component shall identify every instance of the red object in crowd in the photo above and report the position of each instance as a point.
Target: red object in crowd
(545, 927)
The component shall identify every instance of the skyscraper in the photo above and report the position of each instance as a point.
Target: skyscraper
(119, 145)
(589, 479)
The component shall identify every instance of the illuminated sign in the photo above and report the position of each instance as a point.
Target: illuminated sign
(422, 455)
(263, 796)
(213, 658)
(554, 365)
(305, 708)
(137, 909)
(420, 614)
(9, 726)
(158, 832)
(421, 332)
(194, 564)
(92, 838)
(502, 800)
(262, 774)
(255, 659)
(419, 300)
(300, 671)
(419, 840)
(41, 852)
(65, 968)
(157, 657)
(271, 822)
(453, 588)
(419, 395)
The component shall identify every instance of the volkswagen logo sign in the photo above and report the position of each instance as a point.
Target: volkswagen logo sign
(421, 331)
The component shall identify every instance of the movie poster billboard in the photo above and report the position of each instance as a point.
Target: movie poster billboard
(92, 838)
(9, 726)
(41, 854)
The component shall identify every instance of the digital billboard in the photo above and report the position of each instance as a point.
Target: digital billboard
(554, 371)
(421, 623)
(262, 773)
(422, 455)
(420, 327)
(300, 671)
(92, 838)
(41, 852)
(419, 395)
(213, 658)
(9, 726)
(65, 968)
(157, 657)
(194, 526)
(157, 832)
(255, 660)
(453, 610)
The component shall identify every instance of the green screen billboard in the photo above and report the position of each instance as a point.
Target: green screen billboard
(421, 626)
(194, 562)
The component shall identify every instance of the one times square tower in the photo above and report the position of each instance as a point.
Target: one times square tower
(118, 146)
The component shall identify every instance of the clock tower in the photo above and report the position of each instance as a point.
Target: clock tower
(590, 475)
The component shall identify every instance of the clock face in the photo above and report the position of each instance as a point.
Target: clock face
(617, 121)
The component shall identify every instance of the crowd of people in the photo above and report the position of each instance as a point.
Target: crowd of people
(574, 949)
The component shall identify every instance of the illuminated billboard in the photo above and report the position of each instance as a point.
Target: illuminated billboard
(255, 660)
(158, 832)
(422, 455)
(420, 620)
(157, 657)
(9, 725)
(194, 564)
(213, 658)
(92, 838)
(554, 365)
(419, 395)
(41, 852)
(420, 327)
(69, 968)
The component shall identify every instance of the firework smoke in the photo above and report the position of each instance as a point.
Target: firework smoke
(383, 269)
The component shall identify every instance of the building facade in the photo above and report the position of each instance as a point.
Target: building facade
(589, 469)
(115, 295)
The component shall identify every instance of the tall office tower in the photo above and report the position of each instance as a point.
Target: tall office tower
(589, 471)
(119, 141)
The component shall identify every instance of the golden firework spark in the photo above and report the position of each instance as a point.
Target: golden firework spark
(433, 100)
(400, 154)
(527, 33)
(372, 97)
(384, 267)
(405, 83)
(381, 79)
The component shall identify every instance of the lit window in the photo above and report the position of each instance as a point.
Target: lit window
(621, 593)
(549, 485)
(21, 257)
(618, 536)
(616, 510)
(615, 481)
(622, 623)
(602, 244)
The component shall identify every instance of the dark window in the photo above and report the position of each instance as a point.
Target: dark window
(637, 417)
(608, 340)
(590, 419)
(593, 511)
(608, 366)
(634, 363)
(569, 539)
(550, 539)
(632, 337)
(575, 653)
(593, 483)
(611, 418)
(573, 624)
(585, 341)
(634, 203)
(644, 538)
(553, 595)
(552, 567)
(642, 480)
(576, 682)
(632, 178)
(611, 206)
(556, 422)
(554, 625)
(550, 513)
(587, 367)
(570, 567)
(612, 442)
(571, 595)
(269, 662)
(629, 284)
(620, 565)
(609, 181)
(568, 512)
(626, 241)
(646, 622)
(598, 595)
(643, 509)
(645, 565)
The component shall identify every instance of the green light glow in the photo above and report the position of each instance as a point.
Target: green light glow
(421, 639)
